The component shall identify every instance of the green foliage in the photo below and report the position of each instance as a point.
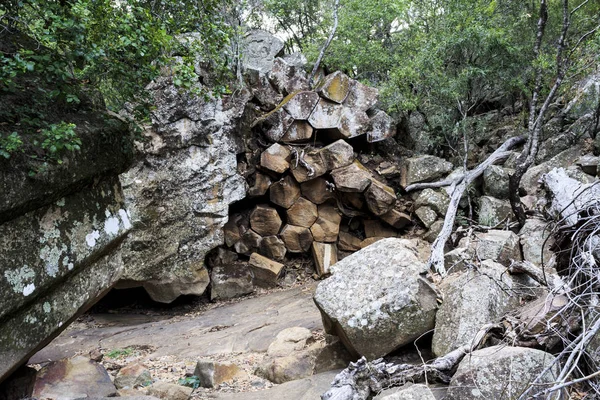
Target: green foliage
(60, 137)
(10, 144)
(120, 353)
(446, 59)
(190, 381)
(58, 53)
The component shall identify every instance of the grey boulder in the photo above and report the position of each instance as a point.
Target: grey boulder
(376, 299)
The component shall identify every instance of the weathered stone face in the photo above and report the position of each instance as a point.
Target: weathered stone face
(260, 50)
(375, 300)
(502, 372)
(40, 248)
(179, 194)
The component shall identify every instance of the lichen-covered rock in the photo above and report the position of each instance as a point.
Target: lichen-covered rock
(179, 193)
(424, 169)
(502, 372)
(229, 281)
(335, 87)
(260, 50)
(493, 211)
(426, 215)
(106, 150)
(472, 299)
(300, 105)
(536, 241)
(326, 115)
(382, 127)
(376, 300)
(287, 76)
(495, 181)
(352, 178)
(530, 180)
(407, 392)
(436, 200)
(55, 264)
(500, 246)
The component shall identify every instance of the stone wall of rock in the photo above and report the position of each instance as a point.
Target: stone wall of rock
(60, 231)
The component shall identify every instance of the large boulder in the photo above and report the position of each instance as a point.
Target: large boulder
(180, 190)
(376, 300)
(503, 373)
(472, 299)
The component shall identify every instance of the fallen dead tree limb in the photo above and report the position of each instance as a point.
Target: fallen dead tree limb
(363, 378)
(436, 260)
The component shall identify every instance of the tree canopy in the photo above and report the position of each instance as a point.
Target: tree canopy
(67, 50)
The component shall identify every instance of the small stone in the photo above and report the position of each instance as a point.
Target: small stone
(289, 340)
(169, 391)
(213, 373)
(589, 164)
(434, 231)
(248, 243)
(493, 211)
(302, 213)
(285, 192)
(396, 218)
(273, 247)
(500, 246)
(265, 220)
(374, 228)
(132, 376)
(337, 155)
(324, 255)
(317, 190)
(380, 198)
(297, 239)
(436, 200)
(352, 178)
(495, 181)
(348, 242)
(266, 271)
(426, 215)
(299, 131)
(276, 158)
(327, 225)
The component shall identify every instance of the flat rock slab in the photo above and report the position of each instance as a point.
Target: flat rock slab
(247, 326)
(304, 389)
